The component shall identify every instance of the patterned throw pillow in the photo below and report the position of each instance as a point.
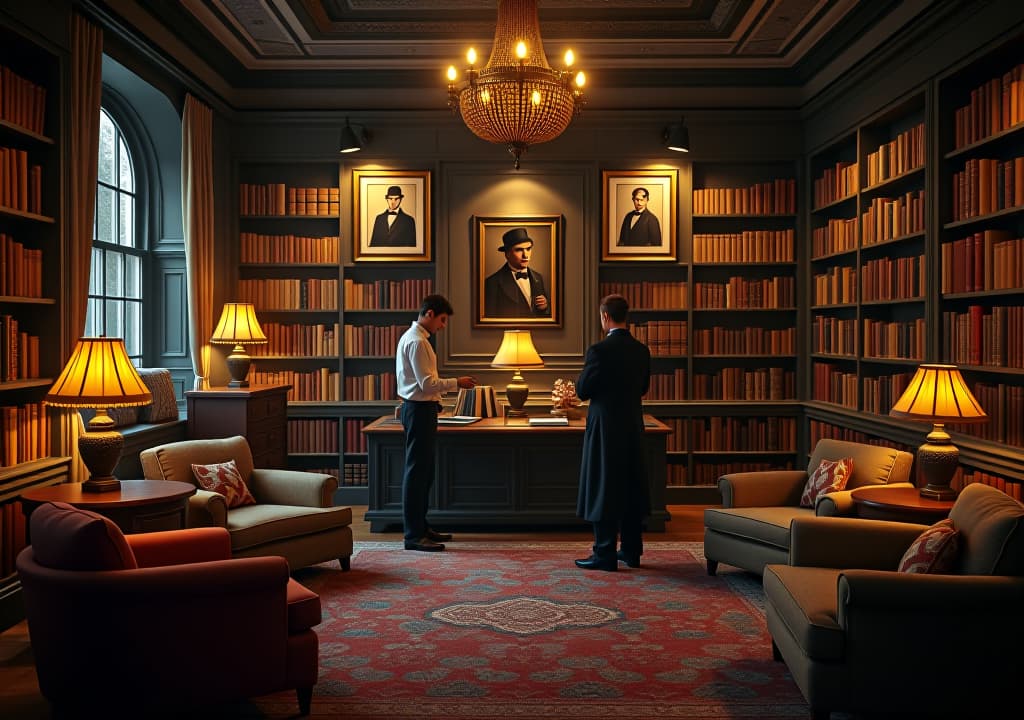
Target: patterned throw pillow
(830, 476)
(224, 478)
(164, 406)
(934, 551)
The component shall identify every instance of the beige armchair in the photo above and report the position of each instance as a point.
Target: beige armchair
(871, 639)
(751, 529)
(293, 516)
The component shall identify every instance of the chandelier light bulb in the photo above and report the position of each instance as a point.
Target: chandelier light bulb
(471, 56)
(453, 74)
(521, 50)
(570, 58)
(485, 96)
(581, 79)
(535, 98)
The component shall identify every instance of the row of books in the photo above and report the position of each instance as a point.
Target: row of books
(376, 340)
(881, 393)
(675, 475)
(896, 340)
(708, 473)
(318, 340)
(280, 199)
(332, 471)
(986, 185)
(836, 236)
(662, 337)
(775, 197)
(837, 286)
(749, 246)
(380, 386)
(649, 294)
(19, 351)
(834, 385)
(313, 436)
(734, 383)
(901, 278)
(676, 440)
(1004, 405)
(995, 105)
(13, 536)
(290, 294)
(965, 476)
(820, 429)
(889, 218)
(387, 294)
(984, 336)
(355, 439)
(985, 260)
(21, 184)
(24, 433)
(835, 183)
(740, 292)
(744, 341)
(320, 385)
(833, 336)
(900, 155)
(667, 386)
(21, 269)
(22, 102)
(261, 248)
(768, 434)
(355, 475)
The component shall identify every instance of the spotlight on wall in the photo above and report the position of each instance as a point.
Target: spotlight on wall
(353, 138)
(677, 136)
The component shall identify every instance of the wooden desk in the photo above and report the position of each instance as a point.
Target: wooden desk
(138, 506)
(496, 474)
(878, 502)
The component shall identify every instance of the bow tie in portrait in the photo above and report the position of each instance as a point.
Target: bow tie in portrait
(392, 212)
(637, 212)
(522, 275)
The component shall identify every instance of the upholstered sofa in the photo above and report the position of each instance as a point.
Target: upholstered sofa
(751, 529)
(294, 515)
(867, 639)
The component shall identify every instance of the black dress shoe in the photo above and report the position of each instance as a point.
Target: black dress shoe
(596, 563)
(438, 536)
(632, 561)
(424, 544)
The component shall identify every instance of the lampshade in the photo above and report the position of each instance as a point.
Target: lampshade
(517, 351)
(677, 137)
(938, 394)
(99, 375)
(238, 325)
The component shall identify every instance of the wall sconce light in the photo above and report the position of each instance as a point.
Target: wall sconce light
(353, 138)
(677, 136)
(516, 352)
(238, 325)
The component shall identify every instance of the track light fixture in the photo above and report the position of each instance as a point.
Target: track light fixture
(353, 138)
(677, 136)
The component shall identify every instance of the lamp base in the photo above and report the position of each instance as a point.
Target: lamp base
(937, 460)
(516, 392)
(100, 452)
(238, 367)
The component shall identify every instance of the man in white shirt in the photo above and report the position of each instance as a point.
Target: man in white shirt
(420, 389)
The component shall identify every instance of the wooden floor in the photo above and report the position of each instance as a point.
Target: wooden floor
(19, 691)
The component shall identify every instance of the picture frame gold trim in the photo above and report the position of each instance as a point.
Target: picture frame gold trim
(369, 188)
(617, 187)
(487, 261)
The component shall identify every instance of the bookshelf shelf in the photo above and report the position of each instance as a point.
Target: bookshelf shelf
(890, 303)
(24, 215)
(852, 252)
(9, 128)
(980, 219)
(893, 241)
(979, 294)
(285, 216)
(18, 300)
(894, 181)
(1011, 133)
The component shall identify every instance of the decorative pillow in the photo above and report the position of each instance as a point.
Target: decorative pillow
(224, 478)
(934, 551)
(124, 415)
(164, 406)
(68, 538)
(830, 476)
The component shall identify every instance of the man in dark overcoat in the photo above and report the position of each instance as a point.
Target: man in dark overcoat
(613, 482)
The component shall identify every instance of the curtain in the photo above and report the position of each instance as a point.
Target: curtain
(197, 213)
(84, 129)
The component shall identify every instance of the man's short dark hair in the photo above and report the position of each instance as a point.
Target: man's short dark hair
(438, 303)
(616, 307)
(640, 189)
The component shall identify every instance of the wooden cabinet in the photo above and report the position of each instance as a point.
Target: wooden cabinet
(259, 413)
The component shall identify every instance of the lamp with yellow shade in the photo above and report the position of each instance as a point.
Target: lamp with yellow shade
(238, 326)
(517, 352)
(99, 375)
(938, 394)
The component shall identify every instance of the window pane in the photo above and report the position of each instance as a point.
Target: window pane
(105, 218)
(93, 318)
(96, 275)
(126, 227)
(133, 276)
(127, 174)
(133, 328)
(106, 156)
(115, 274)
(114, 312)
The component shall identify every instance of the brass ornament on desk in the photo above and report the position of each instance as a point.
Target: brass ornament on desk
(564, 400)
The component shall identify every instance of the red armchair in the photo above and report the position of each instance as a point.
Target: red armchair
(162, 619)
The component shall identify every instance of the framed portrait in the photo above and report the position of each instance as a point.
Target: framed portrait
(391, 216)
(639, 212)
(517, 267)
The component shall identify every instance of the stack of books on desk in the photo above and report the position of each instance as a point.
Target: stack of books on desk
(549, 421)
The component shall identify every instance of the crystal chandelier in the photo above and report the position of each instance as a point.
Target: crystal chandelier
(517, 99)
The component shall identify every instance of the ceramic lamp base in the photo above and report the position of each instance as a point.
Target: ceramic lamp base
(938, 459)
(238, 367)
(516, 393)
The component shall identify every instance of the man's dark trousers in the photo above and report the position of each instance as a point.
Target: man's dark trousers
(606, 532)
(419, 418)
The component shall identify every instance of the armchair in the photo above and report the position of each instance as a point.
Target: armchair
(139, 623)
(869, 639)
(751, 529)
(293, 516)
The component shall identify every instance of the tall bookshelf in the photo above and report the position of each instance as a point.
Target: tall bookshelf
(30, 287)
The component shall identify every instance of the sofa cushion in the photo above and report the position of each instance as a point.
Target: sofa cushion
(255, 525)
(872, 464)
(829, 476)
(991, 525)
(768, 525)
(303, 607)
(164, 405)
(224, 479)
(68, 538)
(934, 551)
(806, 601)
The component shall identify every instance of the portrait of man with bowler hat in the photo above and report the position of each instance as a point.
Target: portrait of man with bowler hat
(394, 227)
(516, 290)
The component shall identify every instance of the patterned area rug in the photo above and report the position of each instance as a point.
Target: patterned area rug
(514, 630)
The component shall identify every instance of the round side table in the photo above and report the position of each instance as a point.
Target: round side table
(138, 506)
(878, 502)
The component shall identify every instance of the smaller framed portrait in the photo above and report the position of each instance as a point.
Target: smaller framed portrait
(391, 216)
(517, 269)
(639, 215)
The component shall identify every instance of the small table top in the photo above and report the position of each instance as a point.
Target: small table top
(131, 492)
(908, 500)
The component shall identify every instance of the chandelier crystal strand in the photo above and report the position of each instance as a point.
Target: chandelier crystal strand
(516, 99)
